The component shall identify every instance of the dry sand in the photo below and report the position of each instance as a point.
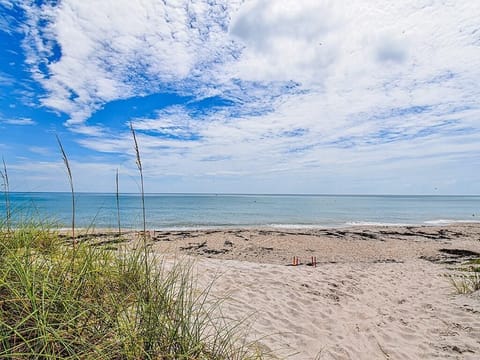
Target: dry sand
(376, 293)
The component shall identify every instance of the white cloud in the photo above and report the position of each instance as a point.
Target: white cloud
(390, 49)
(40, 150)
(20, 121)
(7, 3)
(117, 50)
(172, 122)
(6, 80)
(286, 40)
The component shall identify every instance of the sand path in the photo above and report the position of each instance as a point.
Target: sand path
(350, 311)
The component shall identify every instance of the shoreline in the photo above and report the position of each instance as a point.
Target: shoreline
(286, 227)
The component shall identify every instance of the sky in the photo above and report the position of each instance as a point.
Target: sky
(232, 96)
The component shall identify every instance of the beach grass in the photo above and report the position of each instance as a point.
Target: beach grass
(474, 262)
(469, 281)
(96, 302)
(70, 180)
(467, 284)
(86, 302)
(6, 191)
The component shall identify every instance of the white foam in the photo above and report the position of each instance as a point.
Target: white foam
(449, 221)
(297, 226)
(373, 223)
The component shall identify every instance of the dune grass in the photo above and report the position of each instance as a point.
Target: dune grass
(117, 198)
(467, 284)
(142, 188)
(469, 281)
(70, 180)
(87, 302)
(6, 191)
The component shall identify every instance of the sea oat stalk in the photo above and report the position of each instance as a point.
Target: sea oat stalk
(118, 204)
(70, 179)
(6, 189)
(140, 169)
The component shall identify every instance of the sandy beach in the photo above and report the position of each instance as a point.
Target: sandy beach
(376, 292)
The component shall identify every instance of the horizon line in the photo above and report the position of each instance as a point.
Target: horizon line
(238, 193)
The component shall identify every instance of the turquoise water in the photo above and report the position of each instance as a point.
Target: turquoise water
(206, 211)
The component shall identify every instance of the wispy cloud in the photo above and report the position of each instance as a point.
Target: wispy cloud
(20, 122)
(6, 79)
(40, 150)
(121, 51)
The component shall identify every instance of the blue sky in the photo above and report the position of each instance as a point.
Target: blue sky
(366, 97)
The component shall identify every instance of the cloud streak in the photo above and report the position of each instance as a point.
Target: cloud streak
(19, 122)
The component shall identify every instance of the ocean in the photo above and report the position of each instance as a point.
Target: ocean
(198, 211)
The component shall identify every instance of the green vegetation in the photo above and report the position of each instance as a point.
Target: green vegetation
(142, 190)
(91, 301)
(467, 284)
(6, 190)
(474, 262)
(87, 302)
(470, 281)
(70, 180)
(117, 198)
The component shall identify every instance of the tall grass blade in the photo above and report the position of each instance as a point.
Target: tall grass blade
(140, 169)
(118, 204)
(6, 189)
(145, 256)
(70, 179)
